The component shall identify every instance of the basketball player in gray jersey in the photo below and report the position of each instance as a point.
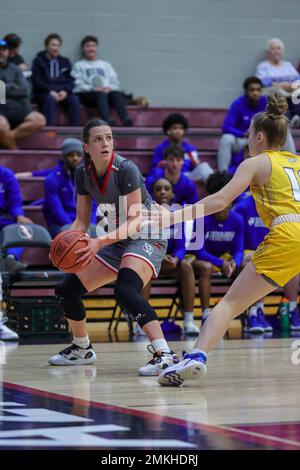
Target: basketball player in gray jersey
(118, 186)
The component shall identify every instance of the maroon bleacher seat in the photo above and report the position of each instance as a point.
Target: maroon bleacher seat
(153, 116)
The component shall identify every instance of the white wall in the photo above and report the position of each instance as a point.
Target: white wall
(175, 52)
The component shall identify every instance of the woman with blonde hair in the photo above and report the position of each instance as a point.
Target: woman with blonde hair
(274, 179)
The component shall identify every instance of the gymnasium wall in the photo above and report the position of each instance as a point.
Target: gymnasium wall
(175, 52)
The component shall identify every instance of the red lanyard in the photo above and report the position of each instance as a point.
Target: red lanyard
(94, 176)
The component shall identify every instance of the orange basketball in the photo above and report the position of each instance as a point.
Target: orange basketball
(62, 250)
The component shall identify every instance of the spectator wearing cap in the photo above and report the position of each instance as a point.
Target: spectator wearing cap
(53, 83)
(175, 126)
(14, 43)
(60, 192)
(17, 120)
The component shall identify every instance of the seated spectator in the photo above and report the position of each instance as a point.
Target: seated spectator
(223, 247)
(274, 71)
(16, 118)
(97, 84)
(174, 263)
(255, 232)
(14, 43)
(60, 192)
(279, 73)
(184, 190)
(175, 126)
(237, 122)
(11, 212)
(52, 83)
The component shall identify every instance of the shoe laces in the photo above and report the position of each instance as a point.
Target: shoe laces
(157, 357)
(69, 349)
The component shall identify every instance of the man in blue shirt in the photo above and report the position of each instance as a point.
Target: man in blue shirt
(236, 125)
(184, 190)
(11, 212)
(175, 126)
(174, 263)
(223, 247)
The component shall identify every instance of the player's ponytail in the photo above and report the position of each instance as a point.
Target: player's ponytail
(273, 122)
(95, 122)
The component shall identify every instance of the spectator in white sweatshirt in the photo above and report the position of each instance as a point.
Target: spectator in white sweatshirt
(97, 83)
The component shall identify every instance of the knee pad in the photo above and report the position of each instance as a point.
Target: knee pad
(128, 294)
(70, 290)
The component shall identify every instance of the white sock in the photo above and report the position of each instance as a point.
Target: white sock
(260, 305)
(293, 305)
(199, 351)
(206, 312)
(82, 342)
(160, 345)
(188, 317)
(253, 311)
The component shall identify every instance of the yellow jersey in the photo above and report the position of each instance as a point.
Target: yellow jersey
(281, 194)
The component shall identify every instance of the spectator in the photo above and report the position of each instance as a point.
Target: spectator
(255, 232)
(53, 83)
(279, 73)
(97, 83)
(60, 193)
(175, 264)
(16, 118)
(237, 122)
(223, 243)
(14, 43)
(184, 190)
(274, 71)
(11, 212)
(175, 126)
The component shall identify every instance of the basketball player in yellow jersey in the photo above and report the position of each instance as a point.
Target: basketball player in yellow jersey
(274, 179)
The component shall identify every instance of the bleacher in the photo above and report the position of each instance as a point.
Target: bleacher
(136, 143)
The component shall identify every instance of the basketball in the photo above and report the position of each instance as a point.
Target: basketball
(62, 250)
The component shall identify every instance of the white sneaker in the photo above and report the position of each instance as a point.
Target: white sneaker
(74, 355)
(191, 329)
(6, 334)
(158, 363)
(192, 367)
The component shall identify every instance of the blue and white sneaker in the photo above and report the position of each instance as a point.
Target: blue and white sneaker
(263, 321)
(295, 320)
(254, 325)
(192, 367)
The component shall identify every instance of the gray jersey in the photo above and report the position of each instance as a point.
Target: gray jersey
(121, 178)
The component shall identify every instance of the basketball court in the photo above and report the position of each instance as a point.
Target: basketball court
(248, 400)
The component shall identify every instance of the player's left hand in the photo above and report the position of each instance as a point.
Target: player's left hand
(88, 253)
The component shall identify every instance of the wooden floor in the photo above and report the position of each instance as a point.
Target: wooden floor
(249, 399)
